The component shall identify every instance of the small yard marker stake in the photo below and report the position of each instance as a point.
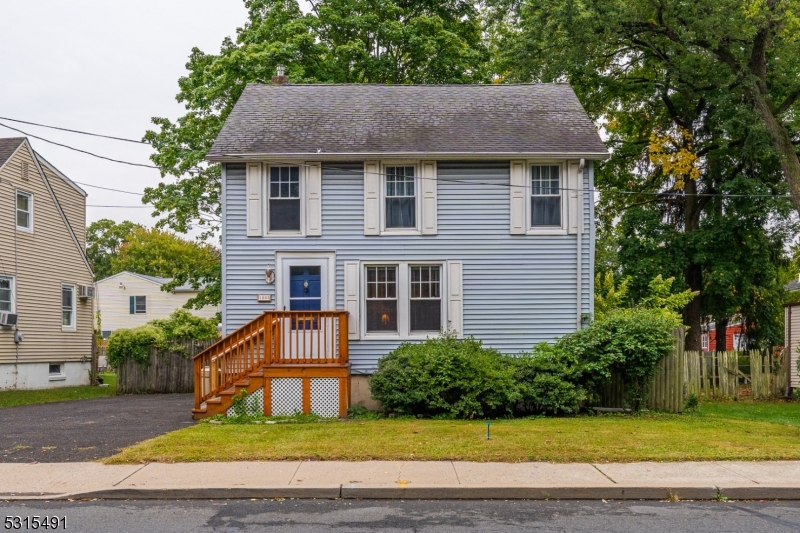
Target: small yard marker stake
(488, 431)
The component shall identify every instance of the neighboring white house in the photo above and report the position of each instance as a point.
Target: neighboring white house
(128, 300)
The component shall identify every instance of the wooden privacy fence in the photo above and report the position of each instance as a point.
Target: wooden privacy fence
(730, 374)
(666, 391)
(167, 372)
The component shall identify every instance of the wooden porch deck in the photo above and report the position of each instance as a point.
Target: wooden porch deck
(309, 346)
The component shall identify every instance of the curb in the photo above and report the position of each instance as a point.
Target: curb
(384, 492)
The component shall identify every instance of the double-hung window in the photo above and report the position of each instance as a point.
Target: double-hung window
(68, 307)
(137, 305)
(284, 199)
(24, 209)
(7, 294)
(403, 299)
(545, 196)
(401, 199)
(382, 299)
(426, 298)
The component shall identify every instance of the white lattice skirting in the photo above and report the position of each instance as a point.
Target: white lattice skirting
(287, 396)
(325, 397)
(255, 404)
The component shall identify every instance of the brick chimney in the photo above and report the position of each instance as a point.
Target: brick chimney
(280, 78)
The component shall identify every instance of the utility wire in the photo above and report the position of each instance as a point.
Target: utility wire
(109, 189)
(74, 131)
(79, 150)
(122, 206)
(676, 194)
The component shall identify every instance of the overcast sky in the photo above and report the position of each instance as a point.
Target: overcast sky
(105, 67)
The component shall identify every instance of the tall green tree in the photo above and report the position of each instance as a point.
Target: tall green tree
(104, 238)
(680, 127)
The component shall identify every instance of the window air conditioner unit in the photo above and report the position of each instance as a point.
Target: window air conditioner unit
(8, 319)
(85, 291)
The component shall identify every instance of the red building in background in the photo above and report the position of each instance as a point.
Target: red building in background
(735, 339)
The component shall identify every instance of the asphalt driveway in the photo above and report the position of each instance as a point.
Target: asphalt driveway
(84, 430)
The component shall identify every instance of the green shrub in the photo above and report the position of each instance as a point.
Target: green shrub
(182, 324)
(548, 381)
(629, 342)
(133, 344)
(445, 377)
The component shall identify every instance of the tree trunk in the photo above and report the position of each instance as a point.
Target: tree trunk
(721, 335)
(782, 143)
(692, 314)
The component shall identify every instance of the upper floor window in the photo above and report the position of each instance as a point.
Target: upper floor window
(138, 305)
(284, 199)
(401, 199)
(67, 307)
(545, 196)
(7, 294)
(24, 211)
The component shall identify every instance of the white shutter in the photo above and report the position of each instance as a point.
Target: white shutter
(351, 298)
(254, 200)
(372, 198)
(573, 195)
(313, 198)
(519, 224)
(428, 184)
(455, 297)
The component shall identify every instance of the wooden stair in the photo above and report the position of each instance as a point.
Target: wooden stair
(222, 402)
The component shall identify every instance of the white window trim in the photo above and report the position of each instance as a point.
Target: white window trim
(61, 376)
(417, 229)
(74, 325)
(403, 300)
(13, 292)
(30, 211)
(265, 202)
(546, 230)
(704, 341)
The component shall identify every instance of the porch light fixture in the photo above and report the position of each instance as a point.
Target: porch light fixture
(269, 274)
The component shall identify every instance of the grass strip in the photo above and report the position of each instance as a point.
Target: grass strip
(712, 434)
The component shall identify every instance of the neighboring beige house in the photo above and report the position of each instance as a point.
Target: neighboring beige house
(45, 277)
(128, 300)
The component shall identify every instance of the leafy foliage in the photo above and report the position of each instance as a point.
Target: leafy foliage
(548, 382)
(182, 324)
(445, 376)
(104, 238)
(133, 344)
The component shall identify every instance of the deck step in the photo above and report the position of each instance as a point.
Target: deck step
(242, 383)
(215, 401)
(228, 392)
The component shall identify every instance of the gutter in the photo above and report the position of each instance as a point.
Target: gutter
(360, 156)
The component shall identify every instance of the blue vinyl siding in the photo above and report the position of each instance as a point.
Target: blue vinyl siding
(518, 289)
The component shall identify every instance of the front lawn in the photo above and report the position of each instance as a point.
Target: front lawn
(13, 398)
(719, 431)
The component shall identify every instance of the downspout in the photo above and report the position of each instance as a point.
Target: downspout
(578, 240)
(789, 351)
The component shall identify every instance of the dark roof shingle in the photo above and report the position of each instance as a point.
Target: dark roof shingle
(8, 146)
(415, 119)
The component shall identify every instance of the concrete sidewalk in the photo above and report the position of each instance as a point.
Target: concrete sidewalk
(395, 479)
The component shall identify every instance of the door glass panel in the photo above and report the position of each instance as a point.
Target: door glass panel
(305, 293)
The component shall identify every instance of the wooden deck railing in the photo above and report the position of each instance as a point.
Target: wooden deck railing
(271, 339)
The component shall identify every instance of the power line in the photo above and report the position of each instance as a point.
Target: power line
(676, 194)
(79, 150)
(122, 206)
(75, 131)
(109, 189)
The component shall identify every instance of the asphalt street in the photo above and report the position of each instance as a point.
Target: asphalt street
(85, 430)
(309, 516)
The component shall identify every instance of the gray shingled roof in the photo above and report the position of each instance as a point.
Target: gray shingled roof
(792, 285)
(8, 146)
(186, 287)
(414, 119)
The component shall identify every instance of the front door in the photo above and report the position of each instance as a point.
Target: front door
(305, 288)
(304, 284)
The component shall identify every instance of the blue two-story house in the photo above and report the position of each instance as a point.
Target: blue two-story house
(357, 217)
